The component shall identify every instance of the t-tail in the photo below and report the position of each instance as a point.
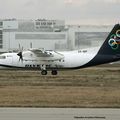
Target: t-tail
(110, 49)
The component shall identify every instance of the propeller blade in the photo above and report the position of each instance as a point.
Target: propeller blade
(20, 55)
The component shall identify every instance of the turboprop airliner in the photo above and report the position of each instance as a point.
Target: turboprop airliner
(48, 60)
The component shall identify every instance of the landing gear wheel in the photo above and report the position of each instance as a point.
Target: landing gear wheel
(54, 72)
(44, 72)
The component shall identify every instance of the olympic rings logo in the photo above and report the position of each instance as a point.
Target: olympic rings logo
(114, 40)
(114, 45)
(118, 33)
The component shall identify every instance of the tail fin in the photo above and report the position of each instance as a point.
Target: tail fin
(109, 51)
(111, 46)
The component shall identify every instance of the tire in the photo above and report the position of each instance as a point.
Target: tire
(54, 72)
(44, 72)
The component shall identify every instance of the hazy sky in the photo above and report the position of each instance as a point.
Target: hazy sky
(72, 11)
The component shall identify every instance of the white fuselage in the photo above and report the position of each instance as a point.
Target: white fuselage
(71, 59)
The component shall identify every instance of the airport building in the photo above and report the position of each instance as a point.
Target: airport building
(47, 34)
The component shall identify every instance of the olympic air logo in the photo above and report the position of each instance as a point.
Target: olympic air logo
(114, 41)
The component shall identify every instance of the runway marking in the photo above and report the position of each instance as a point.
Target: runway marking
(58, 114)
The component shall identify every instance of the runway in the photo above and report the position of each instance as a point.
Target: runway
(58, 114)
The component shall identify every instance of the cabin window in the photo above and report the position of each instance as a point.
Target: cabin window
(38, 66)
(79, 51)
(84, 51)
(26, 65)
(33, 65)
(2, 57)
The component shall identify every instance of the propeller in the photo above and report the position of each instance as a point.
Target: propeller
(20, 54)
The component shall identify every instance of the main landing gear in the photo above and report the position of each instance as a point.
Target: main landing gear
(44, 71)
(53, 72)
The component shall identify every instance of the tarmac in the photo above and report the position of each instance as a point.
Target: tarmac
(59, 114)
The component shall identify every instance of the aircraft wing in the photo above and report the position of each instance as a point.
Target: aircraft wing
(46, 55)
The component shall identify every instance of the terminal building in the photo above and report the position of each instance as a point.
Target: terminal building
(47, 34)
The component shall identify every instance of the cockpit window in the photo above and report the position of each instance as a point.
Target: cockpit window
(2, 57)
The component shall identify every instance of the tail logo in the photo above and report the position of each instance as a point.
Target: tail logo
(114, 41)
